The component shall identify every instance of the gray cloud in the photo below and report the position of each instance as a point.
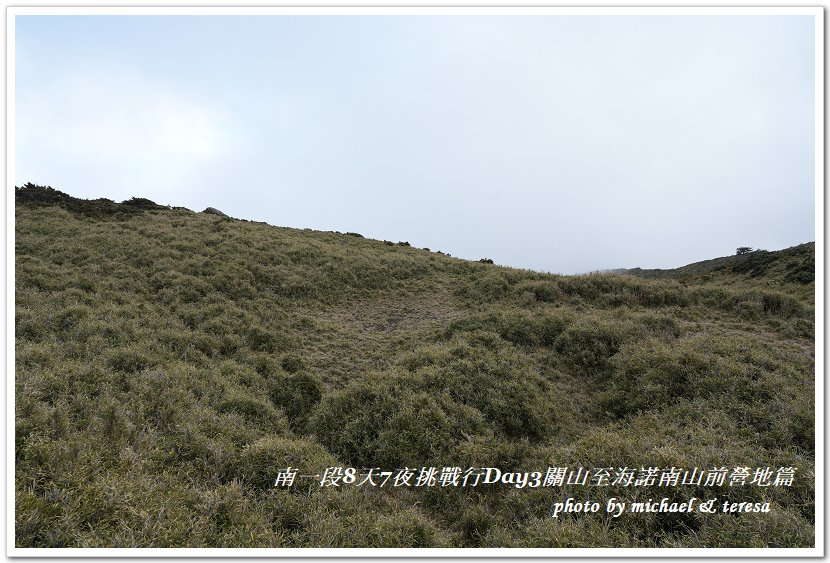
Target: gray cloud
(555, 143)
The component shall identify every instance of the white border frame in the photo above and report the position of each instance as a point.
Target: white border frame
(817, 551)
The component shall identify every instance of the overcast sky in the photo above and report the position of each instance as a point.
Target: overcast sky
(557, 143)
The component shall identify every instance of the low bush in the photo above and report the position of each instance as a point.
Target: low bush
(297, 395)
(588, 345)
(494, 379)
(258, 464)
(378, 421)
(255, 409)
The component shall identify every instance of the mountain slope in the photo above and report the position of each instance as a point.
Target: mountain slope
(170, 363)
(794, 265)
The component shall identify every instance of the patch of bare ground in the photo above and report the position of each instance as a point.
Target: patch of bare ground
(367, 334)
(391, 315)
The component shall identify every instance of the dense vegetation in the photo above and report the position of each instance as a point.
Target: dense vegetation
(168, 363)
(794, 265)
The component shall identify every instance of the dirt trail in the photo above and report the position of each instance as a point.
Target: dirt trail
(368, 334)
(394, 316)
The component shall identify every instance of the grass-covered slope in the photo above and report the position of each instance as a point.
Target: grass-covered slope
(169, 363)
(794, 266)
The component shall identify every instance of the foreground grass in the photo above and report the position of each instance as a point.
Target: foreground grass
(169, 362)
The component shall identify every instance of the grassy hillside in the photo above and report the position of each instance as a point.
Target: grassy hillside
(794, 265)
(169, 363)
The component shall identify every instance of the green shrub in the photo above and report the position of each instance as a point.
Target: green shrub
(588, 345)
(292, 363)
(252, 408)
(496, 381)
(545, 291)
(803, 272)
(649, 374)
(297, 395)
(70, 317)
(258, 463)
(474, 525)
(534, 330)
(28, 326)
(375, 421)
(142, 203)
(781, 305)
(129, 360)
(407, 528)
